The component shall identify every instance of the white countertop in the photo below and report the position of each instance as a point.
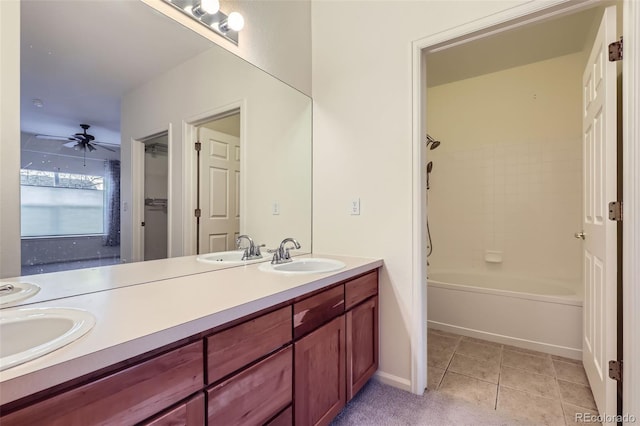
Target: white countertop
(56, 285)
(134, 320)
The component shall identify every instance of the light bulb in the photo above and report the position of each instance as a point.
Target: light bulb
(210, 6)
(235, 21)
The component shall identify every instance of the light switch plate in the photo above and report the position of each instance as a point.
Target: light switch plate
(354, 207)
(275, 208)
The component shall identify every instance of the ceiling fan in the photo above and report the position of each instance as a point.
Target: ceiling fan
(80, 141)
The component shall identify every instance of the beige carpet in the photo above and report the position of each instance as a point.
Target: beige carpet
(378, 405)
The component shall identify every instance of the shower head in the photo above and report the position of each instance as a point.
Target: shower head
(434, 143)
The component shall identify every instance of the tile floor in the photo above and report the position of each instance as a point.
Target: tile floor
(531, 386)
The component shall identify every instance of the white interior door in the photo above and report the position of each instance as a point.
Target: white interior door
(599, 150)
(219, 190)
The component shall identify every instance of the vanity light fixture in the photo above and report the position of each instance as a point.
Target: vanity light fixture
(234, 22)
(208, 13)
(210, 7)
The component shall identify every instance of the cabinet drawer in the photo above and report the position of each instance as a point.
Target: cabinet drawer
(254, 395)
(126, 397)
(190, 413)
(238, 346)
(361, 289)
(283, 419)
(314, 311)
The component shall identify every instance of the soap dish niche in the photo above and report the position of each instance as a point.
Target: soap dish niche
(493, 256)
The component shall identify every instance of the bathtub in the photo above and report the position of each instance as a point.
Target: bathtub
(534, 314)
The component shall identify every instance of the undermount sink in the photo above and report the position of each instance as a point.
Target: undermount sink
(11, 292)
(226, 257)
(26, 334)
(313, 265)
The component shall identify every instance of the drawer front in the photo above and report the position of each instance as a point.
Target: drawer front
(255, 395)
(190, 413)
(238, 346)
(314, 311)
(126, 397)
(283, 419)
(361, 289)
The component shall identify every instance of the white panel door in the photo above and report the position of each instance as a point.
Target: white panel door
(599, 150)
(219, 190)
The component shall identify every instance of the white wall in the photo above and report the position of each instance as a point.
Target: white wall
(9, 138)
(276, 36)
(275, 136)
(508, 174)
(362, 89)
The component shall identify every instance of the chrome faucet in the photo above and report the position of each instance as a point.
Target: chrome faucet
(251, 252)
(281, 254)
(6, 288)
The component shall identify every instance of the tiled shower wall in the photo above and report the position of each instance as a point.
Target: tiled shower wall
(508, 174)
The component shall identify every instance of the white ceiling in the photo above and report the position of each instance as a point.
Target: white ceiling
(508, 49)
(80, 57)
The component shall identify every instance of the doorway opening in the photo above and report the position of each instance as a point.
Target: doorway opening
(156, 197)
(218, 187)
(512, 188)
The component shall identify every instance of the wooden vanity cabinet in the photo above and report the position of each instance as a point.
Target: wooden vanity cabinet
(336, 359)
(298, 363)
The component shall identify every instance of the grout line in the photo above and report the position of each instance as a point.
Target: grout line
(499, 375)
(555, 379)
(529, 371)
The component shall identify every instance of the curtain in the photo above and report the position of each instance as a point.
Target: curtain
(112, 203)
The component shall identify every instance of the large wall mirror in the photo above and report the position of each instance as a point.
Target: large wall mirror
(114, 99)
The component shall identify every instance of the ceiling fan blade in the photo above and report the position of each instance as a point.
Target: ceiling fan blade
(70, 144)
(91, 147)
(55, 138)
(103, 145)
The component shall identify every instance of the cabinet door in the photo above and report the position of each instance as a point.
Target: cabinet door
(190, 413)
(320, 385)
(362, 345)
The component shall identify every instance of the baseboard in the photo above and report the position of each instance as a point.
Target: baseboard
(567, 352)
(391, 380)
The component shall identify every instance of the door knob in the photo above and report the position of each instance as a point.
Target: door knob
(579, 235)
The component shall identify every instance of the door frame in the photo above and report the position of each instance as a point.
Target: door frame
(137, 192)
(518, 16)
(189, 136)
